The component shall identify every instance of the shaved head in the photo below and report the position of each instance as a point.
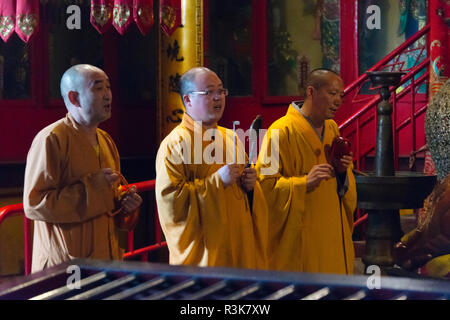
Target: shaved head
(87, 94)
(324, 93)
(187, 81)
(319, 77)
(207, 108)
(74, 78)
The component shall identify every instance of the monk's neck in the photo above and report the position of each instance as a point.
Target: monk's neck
(316, 120)
(189, 121)
(90, 132)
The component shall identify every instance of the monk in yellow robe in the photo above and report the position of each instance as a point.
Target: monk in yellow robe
(211, 208)
(71, 178)
(310, 205)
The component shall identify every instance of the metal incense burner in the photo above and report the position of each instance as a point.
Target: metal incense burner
(383, 192)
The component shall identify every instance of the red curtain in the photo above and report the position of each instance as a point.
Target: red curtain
(122, 15)
(101, 14)
(170, 15)
(143, 15)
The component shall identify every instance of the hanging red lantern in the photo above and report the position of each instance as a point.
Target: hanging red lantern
(7, 18)
(170, 15)
(122, 15)
(101, 14)
(27, 18)
(143, 15)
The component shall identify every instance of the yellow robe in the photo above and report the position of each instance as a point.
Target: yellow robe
(204, 223)
(307, 232)
(68, 197)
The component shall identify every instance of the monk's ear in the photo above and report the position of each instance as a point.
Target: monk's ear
(309, 91)
(187, 100)
(74, 98)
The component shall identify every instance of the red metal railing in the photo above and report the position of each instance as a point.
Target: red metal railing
(417, 74)
(392, 61)
(148, 185)
(17, 210)
(415, 112)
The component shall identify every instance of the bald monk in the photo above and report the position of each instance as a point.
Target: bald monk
(203, 190)
(72, 177)
(311, 206)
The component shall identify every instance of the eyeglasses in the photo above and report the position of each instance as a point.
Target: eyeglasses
(212, 93)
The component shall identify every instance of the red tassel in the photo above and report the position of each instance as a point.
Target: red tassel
(101, 14)
(170, 15)
(7, 18)
(143, 15)
(27, 18)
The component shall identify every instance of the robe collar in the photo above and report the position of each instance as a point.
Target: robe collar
(306, 128)
(102, 143)
(70, 121)
(188, 123)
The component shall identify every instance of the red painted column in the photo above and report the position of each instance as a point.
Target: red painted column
(349, 41)
(439, 40)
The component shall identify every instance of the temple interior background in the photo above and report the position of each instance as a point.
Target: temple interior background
(262, 50)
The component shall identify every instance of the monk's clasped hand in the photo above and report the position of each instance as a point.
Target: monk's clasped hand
(131, 201)
(347, 160)
(248, 179)
(229, 174)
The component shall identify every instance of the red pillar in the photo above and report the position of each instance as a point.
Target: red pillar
(439, 40)
(349, 41)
